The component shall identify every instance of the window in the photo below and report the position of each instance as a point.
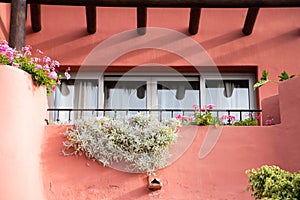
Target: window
(155, 92)
(232, 91)
(228, 91)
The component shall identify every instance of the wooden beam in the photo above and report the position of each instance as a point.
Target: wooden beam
(91, 19)
(35, 12)
(141, 20)
(250, 20)
(172, 3)
(194, 20)
(17, 31)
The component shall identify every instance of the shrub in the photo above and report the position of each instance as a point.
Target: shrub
(271, 182)
(247, 122)
(140, 140)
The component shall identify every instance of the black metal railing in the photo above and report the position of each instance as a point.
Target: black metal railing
(69, 114)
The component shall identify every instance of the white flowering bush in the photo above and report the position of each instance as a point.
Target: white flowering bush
(141, 141)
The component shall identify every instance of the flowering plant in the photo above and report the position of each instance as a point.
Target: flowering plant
(42, 70)
(203, 116)
(251, 121)
(140, 140)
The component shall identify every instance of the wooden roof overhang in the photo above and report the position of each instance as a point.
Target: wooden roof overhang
(19, 8)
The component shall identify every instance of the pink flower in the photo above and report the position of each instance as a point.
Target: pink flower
(179, 117)
(36, 60)
(195, 106)
(202, 110)
(257, 117)
(46, 67)
(38, 66)
(46, 59)
(191, 118)
(26, 48)
(55, 63)
(224, 118)
(231, 118)
(53, 88)
(10, 59)
(3, 49)
(15, 65)
(3, 42)
(269, 122)
(210, 106)
(39, 51)
(228, 118)
(53, 75)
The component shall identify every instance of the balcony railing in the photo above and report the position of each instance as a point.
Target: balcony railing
(69, 114)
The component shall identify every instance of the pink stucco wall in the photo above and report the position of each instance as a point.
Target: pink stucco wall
(273, 45)
(218, 175)
(22, 112)
(271, 110)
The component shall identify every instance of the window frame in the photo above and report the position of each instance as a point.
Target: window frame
(251, 77)
(152, 78)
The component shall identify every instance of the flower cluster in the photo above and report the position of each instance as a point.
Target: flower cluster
(43, 69)
(201, 116)
(269, 121)
(204, 117)
(228, 119)
(140, 140)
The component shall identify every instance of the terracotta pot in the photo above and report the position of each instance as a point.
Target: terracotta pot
(23, 108)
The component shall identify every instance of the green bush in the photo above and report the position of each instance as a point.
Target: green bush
(247, 122)
(271, 182)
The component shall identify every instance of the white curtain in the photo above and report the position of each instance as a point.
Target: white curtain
(228, 96)
(79, 94)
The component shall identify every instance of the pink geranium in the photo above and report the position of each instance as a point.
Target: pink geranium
(195, 106)
(43, 71)
(179, 117)
(210, 106)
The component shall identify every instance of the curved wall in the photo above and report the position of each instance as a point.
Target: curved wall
(22, 113)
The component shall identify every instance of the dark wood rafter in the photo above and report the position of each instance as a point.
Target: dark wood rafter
(91, 19)
(35, 13)
(18, 12)
(250, 20)
(17, 30)
(194, 20)
(172, 3)
(141, 20)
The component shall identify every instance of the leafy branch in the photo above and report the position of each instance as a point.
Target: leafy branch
(265, 79)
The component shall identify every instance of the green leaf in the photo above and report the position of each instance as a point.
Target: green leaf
(264, 75)
(263, 80)
(285, 76)
(259, 84)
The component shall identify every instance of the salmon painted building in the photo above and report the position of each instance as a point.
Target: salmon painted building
(162, 57)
